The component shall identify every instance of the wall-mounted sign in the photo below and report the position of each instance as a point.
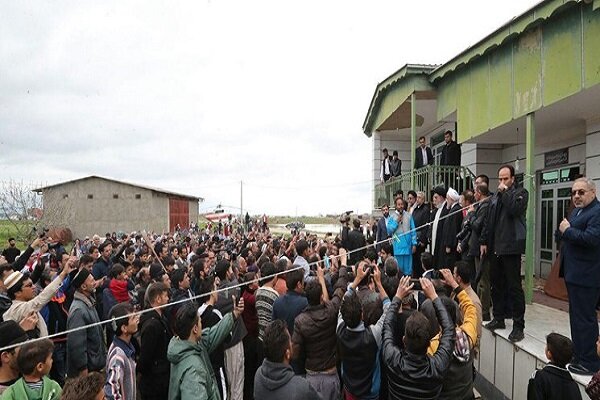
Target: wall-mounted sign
(556, 158)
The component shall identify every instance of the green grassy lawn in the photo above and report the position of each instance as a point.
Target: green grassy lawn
(7, 230)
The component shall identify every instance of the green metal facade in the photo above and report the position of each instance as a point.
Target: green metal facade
(546, 63)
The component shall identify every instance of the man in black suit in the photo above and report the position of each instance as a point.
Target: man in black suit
(451, 151)
(381, 233)
(580, 266)
(423, 155)
(421, 215)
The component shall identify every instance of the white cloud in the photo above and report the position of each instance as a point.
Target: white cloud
(196, 96)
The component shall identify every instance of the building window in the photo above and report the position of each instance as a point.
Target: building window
(138, 196)
(65, 196)
(115, 196)
(90, 196)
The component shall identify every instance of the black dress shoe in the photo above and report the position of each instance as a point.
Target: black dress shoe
(495, 324)
(579, 369)
(516, 335)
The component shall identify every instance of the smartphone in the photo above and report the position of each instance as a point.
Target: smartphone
(416, 284)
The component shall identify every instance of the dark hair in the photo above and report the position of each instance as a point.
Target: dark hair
(292, 278)
(450, 308)
(92, 248)
(322, 251)
(561, 348)
(468, 196)
(205, 287)
(464, 271)
(266, 270)
(177, 277)
(386, 247)
(417, 333)
(371, 254)
(84, 387)
(86, 259)
(484, 178)
(356, 223)
(221, 269)
(401, 199)
(385, 150)
(104, 245)
(276, 341)
(301, 246)
(118, 311)
(313, 292)
(168, 260)
(155, 290)
(33, 353)
(128, 251)
(115, 270)
(413, 193)
(391, 266)
(510, 168)
(281, 265)
(351, 310)
(426, 260)
(422, 137)
(448, 132)
(483, 189)
(186, 318)
(395, 152)
(198, 267)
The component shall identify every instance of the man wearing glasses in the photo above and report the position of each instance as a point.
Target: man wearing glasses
(580, 266)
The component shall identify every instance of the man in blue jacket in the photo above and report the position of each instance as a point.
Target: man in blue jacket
(580, 266)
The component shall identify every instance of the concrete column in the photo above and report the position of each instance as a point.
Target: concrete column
(530, 186)
(592, 150)
(413, 136)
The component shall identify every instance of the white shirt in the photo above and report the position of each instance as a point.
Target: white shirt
(424, 152)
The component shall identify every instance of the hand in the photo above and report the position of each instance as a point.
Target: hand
(361, 271)
(69, 266)
(459, 248)
(428, 288)
(564, 225)
(30, 322)
(449, 278)
(37, 243)
(448, 250)
(343, 256)
(377, 276)
(238, 308)
(320, 273)
(414, 249)
(502, 187)
(404, 287)
(483, 250)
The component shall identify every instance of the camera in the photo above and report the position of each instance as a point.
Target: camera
(345, 217)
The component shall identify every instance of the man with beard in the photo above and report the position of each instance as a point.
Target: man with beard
(381, 233)
(356, 241)
(85, 348)
(437, 226)
(11, 252)
(452, 225)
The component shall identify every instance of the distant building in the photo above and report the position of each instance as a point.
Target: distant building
(94, 204)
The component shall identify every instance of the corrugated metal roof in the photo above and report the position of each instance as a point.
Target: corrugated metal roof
(41, 189)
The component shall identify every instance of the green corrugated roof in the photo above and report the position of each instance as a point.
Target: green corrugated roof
(419, 71)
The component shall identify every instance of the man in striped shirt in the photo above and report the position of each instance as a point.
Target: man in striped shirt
(120, 362)
(265, 297)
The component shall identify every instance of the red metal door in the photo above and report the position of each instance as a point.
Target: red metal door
(179, 213)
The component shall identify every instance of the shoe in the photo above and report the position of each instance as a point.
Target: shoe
(486, 317)
(516, 335)
(579, 369)
(495, 324)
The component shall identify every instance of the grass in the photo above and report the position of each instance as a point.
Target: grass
(306, 220)
(7, 230)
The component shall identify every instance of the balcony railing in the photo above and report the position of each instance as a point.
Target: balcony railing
(425, 179)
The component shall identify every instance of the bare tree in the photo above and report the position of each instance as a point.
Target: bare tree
(23, 207)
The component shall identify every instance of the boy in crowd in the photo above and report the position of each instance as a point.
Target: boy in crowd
(554, 380)
(34, 361)
(120, 363)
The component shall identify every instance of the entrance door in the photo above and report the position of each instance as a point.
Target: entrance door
(554, 196)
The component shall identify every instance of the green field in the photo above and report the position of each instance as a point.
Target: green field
(7, 229)
(306, 220)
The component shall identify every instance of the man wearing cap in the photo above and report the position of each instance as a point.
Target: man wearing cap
(20, 289)
(11, 252)
(10, 334)
(437, 227)
(85, 347)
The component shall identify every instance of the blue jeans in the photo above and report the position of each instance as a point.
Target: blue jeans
(59, 363)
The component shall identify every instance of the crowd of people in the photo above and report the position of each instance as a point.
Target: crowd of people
(246, 314)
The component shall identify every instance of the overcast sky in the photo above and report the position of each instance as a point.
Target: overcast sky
(194, 96)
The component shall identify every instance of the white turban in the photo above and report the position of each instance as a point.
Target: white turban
(452, 194)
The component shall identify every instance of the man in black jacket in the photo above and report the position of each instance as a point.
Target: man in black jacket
(505, 236)
(421, 215)
(423, 155)
(153, 364)
(411, 372)
(381, 232)
(450, 152)
(356, 240)
(482, 269)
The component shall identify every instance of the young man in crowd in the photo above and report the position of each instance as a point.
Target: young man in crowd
(191, 371)
(10, 334)
(275, 379)
(153, 364)
(120, 362)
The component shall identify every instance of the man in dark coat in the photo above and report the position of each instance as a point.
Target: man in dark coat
(421, 216)
(580, 266)
(356, 240)
(423, 155)
(505, 234)
(381, 232)
(452, 225)
(450, 152)
(437, 225)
